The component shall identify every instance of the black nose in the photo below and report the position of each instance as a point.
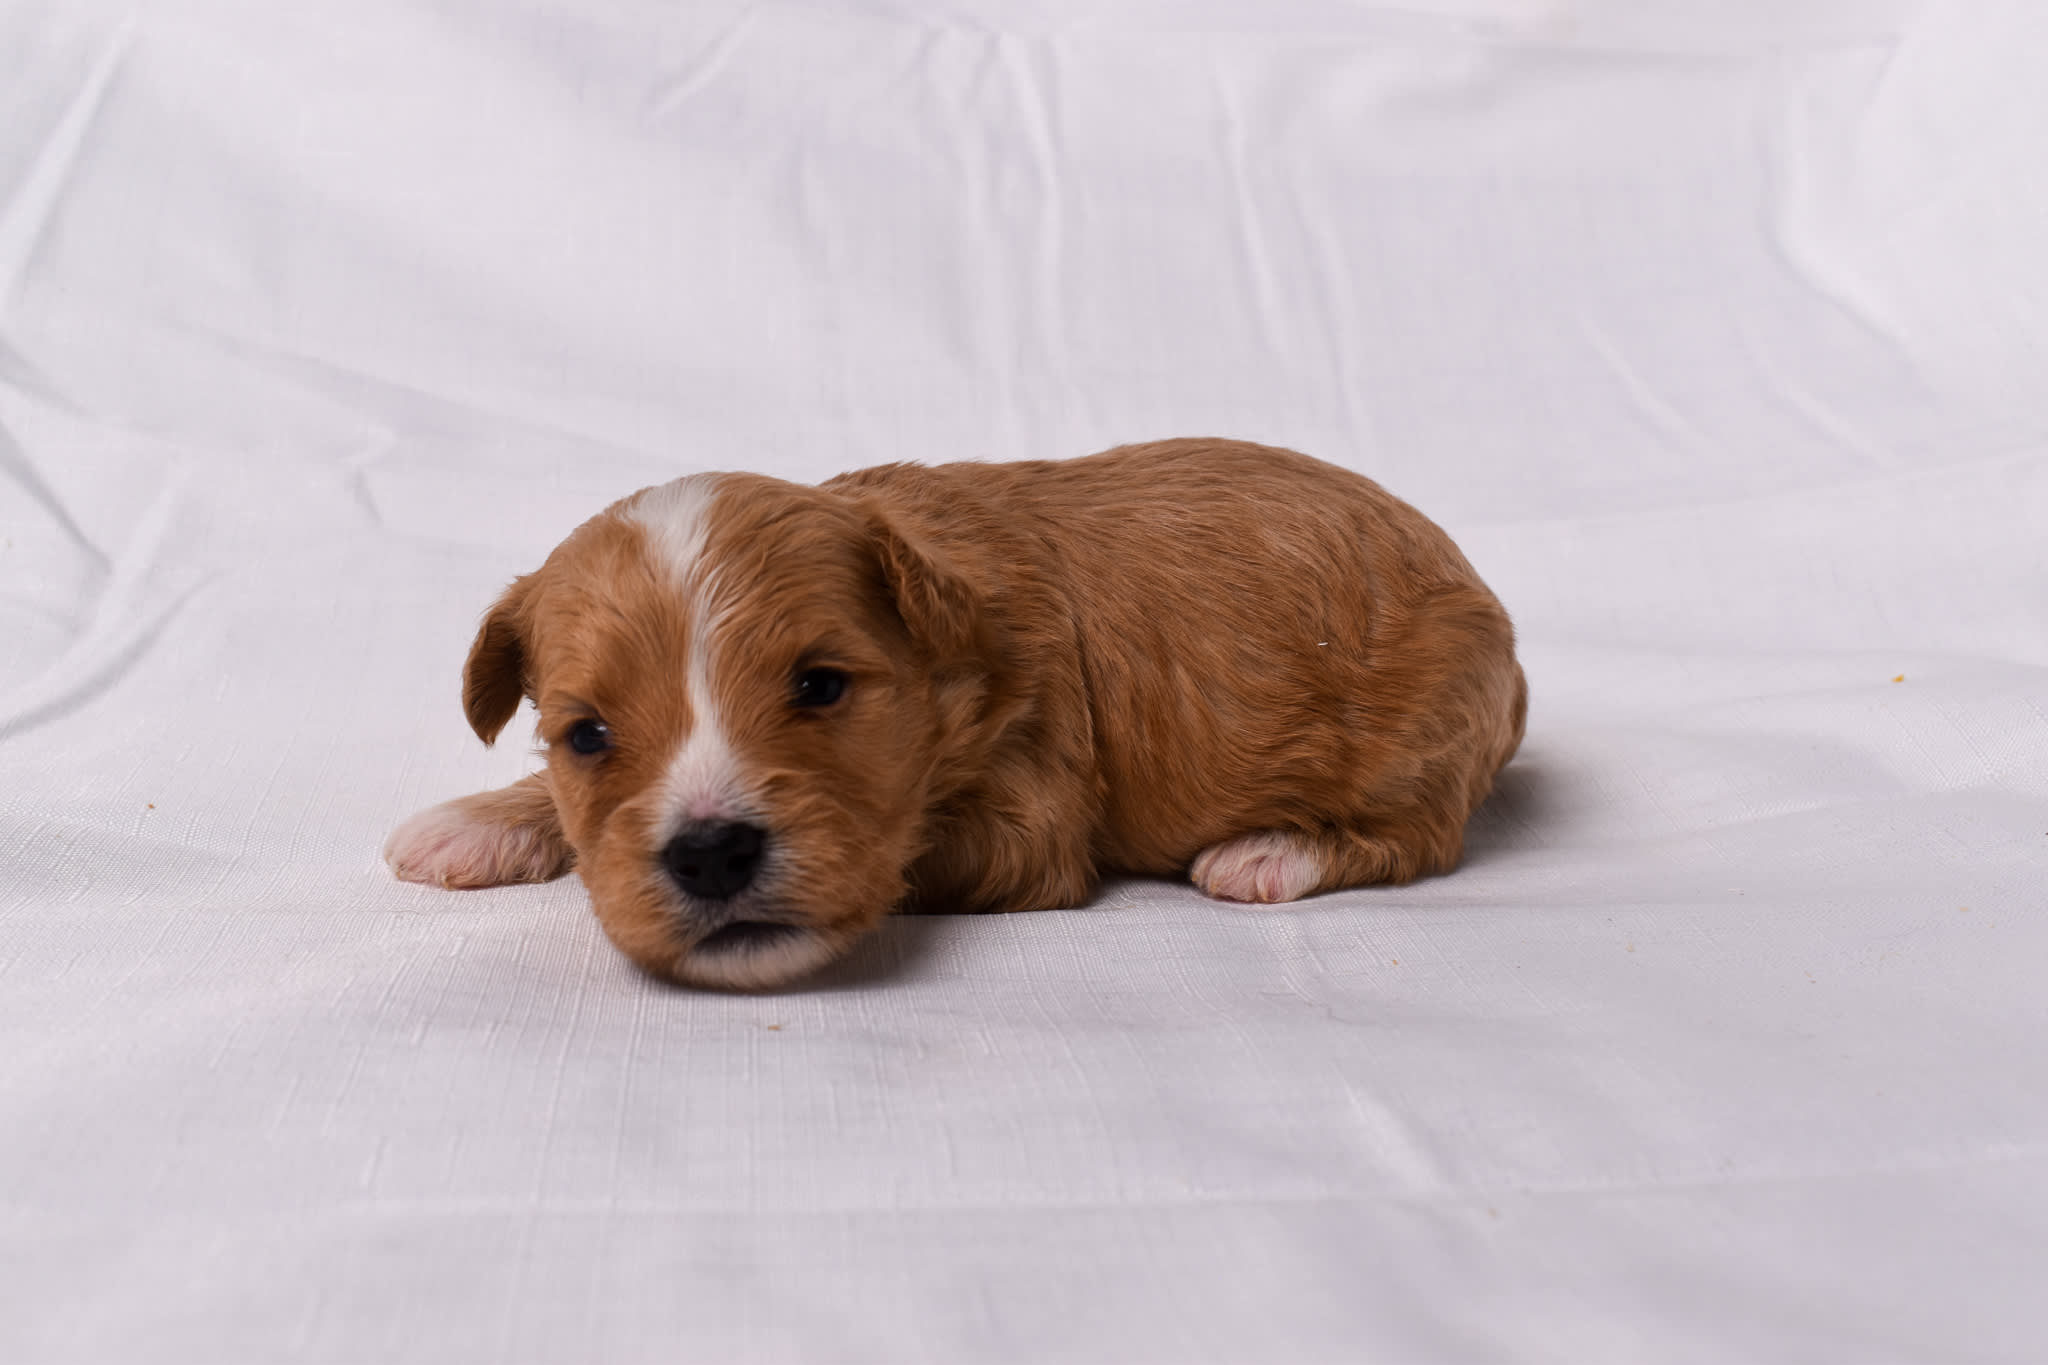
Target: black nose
(714, 862)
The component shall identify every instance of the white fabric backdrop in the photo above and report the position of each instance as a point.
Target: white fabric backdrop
(1715, 332)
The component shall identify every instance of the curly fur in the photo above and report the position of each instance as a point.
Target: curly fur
(1194, 657)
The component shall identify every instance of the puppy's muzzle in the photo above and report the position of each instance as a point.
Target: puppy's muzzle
(715, 861)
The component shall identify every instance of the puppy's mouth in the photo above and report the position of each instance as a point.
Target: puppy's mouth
(753, 955)
(748, 936)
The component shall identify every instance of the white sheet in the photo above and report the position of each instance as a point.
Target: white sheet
(1715, 334)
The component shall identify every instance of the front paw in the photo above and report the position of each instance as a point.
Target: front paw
(1260, 868)
(467, 843)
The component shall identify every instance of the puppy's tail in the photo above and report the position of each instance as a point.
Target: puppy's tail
(1518, 720)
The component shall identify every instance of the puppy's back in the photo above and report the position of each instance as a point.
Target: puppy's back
(1265, 638)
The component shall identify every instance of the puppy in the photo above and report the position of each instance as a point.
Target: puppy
(773, 713)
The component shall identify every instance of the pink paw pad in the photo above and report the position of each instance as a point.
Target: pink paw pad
(1259, 868)
(449, 846)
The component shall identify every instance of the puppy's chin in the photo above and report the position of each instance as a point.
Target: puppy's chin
(753, 955)
(759, 945)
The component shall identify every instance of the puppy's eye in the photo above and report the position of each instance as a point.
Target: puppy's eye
(818, 687)
(589, 737)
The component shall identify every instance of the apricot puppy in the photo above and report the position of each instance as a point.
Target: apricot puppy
(775, 713)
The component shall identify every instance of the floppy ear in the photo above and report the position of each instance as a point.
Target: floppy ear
(494, 678)
(941, 610)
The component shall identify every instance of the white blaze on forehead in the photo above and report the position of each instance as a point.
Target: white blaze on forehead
(675, 516)
(704, 779)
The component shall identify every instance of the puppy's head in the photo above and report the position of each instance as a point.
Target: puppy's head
(745, 687)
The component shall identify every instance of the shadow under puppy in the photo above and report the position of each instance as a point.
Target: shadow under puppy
(775, 713)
